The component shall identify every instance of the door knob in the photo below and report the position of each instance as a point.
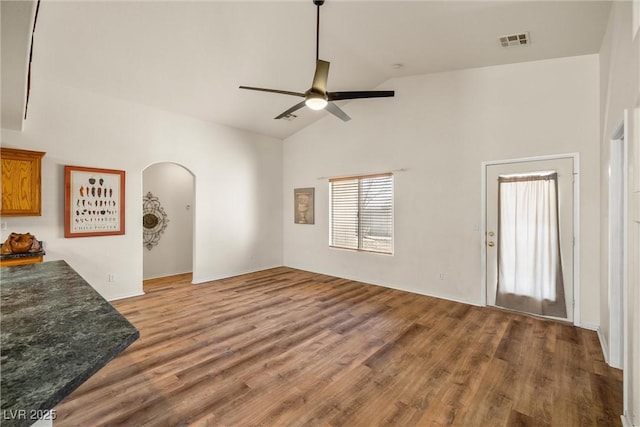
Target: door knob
(491, 244)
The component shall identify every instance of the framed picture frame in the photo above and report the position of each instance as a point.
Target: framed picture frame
(303, 205)
(94, 202)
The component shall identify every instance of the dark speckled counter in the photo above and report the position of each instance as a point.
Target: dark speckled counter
(56, 331)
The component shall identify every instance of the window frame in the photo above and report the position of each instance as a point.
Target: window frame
(359, 179)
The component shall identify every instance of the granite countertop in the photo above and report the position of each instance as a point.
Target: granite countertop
(56, 332)
(23, 255)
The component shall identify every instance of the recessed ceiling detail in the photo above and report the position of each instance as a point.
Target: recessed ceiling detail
(511, 40)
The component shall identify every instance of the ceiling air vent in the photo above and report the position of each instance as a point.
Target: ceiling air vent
(520, 39)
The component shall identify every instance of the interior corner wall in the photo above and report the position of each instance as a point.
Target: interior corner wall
(619, 90)
(238, 194)
(173, 186)
(439, 129)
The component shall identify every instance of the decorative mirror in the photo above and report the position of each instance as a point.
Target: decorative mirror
(154, 220)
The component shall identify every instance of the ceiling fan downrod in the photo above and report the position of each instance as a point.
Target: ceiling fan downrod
(318, 3)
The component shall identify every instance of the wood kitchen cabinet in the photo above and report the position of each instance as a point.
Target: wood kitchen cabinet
(21, 182)
(21, 261)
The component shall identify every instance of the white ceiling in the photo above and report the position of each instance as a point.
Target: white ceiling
(190, 57)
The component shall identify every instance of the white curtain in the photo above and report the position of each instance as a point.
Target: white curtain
(529, 262)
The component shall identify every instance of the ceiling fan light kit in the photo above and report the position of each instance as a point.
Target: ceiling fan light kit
(316, 102)
(317, 98)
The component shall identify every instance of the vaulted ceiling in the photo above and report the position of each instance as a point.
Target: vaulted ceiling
(190, 57)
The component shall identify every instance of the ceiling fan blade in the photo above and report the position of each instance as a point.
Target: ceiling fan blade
(338, 96)
(291, 110)
(283, 92)
(320, 78)
(336, 111)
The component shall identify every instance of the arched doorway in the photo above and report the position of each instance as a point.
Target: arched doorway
(168, 220)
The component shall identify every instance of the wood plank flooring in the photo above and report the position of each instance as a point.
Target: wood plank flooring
(284, 347)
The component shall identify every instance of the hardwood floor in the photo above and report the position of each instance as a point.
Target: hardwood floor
(285, 347)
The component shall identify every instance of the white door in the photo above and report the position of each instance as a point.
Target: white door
(564, 169)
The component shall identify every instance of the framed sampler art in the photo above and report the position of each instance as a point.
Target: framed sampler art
(93, 202)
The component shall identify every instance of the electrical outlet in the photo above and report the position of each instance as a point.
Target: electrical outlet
(3, 225)
(441, 276)
(111, 278)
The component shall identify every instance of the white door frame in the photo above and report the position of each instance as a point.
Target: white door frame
(618, 205)
(576, 224)
(631, 291)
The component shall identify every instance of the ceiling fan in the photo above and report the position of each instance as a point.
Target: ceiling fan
(317, 98)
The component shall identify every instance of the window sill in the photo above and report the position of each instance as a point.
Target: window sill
(367, 251)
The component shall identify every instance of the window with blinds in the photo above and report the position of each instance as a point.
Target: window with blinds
(361, 213)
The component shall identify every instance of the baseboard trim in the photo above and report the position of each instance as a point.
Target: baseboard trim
(166, 275)
(590, 326)
(604, 346)
(626, 422)
(137, 294)
(205, 279)
(383, 284)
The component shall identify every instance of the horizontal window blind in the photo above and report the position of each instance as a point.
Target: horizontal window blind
(362, 213)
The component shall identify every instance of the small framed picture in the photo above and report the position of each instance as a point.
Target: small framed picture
(303, 209)
(93, 202)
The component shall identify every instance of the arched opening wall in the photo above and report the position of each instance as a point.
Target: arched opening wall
(168, 202)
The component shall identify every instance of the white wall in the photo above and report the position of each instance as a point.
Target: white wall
(173, 185)
(238, 196)
(620, 90)
(16, 30)
(441, 127)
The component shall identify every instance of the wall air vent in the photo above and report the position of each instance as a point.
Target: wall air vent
(520, 39)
